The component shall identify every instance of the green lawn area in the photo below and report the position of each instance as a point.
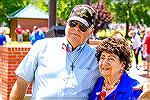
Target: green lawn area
(140, 58)
(107, 33)
(15, 43)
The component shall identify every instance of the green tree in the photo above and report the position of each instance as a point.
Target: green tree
(64, 7)
(129, 11)
(41, 4)
(9, 6)
(134, 11)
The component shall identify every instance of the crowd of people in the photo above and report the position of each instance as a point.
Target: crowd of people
(139, 43)
(35, 35)
(82, 71)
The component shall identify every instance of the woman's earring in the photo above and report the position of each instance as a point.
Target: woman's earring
(121, 71)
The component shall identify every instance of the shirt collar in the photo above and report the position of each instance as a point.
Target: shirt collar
(68, 45)
(77, 49)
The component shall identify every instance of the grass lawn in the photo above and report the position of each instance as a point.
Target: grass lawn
(140, 58)
(15, 43)
(108, 32)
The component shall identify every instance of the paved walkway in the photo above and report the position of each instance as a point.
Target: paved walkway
(139, 75)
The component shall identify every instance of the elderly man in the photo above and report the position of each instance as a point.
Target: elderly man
(61, 67)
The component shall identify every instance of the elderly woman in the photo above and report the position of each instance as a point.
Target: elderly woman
(114, 60)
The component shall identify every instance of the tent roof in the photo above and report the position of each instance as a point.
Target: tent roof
(30, 11)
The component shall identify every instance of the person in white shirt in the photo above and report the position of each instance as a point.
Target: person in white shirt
(136, 45)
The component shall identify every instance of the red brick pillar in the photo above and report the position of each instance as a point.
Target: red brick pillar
(10, 57)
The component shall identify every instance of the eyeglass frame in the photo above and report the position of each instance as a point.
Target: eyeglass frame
(82, 27)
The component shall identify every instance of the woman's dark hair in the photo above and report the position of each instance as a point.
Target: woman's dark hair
(117, 46)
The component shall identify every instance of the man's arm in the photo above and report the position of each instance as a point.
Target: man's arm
(19, 89)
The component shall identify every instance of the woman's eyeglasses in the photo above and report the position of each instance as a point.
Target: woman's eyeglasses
(74, 23)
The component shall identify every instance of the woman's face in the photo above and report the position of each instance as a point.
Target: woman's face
(110, 64)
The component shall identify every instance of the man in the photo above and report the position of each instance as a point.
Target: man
(37, 34)
(2, 37)
(19, 31)
(61, 67)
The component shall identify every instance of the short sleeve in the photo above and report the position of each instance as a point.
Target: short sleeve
(28, 65)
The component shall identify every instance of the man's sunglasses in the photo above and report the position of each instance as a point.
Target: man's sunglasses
(74, 23)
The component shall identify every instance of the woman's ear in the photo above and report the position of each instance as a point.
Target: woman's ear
(123, 64)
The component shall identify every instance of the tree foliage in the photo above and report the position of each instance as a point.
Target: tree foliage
(9, 6)
(41, 4)
(134, 12)
(64, 7)
(104, 16)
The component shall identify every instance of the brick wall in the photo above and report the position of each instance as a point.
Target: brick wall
(10, 57)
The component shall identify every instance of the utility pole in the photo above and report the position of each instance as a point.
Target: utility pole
(87, 2)
(52, 4)
(52, 13)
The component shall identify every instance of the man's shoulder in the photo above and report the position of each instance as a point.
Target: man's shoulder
(51, 41)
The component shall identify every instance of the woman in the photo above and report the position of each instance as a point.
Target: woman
(114, 60)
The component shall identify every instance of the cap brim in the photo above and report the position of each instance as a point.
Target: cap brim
(78, 19)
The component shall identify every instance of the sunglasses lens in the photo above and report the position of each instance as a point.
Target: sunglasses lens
(72, 23)
(83, 28)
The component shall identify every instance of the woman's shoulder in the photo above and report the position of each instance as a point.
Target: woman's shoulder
(129, 80)
(100, 80)
(131, 86)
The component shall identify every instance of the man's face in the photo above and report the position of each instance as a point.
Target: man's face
(77, 33)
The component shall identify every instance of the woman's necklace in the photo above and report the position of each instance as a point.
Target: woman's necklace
(111, 86)
(105, 89)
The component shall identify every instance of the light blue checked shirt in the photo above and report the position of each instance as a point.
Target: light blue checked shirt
(48, 64)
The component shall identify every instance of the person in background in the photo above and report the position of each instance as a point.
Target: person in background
(63, 67)
(37, 34)
(19, 31)
(117, 34)
(136, 45)
(146, 50)
(2, 37)
(144, 35)
(114, 59)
